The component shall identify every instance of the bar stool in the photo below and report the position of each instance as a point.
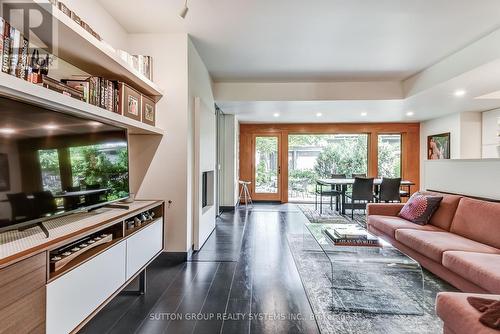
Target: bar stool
(245, 193)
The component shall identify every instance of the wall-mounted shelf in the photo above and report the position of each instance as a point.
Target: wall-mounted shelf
(79, 48)
(13, 87)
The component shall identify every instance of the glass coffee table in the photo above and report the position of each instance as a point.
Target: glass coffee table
(369, 279)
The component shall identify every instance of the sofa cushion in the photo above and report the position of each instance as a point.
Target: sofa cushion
(433, 244)
(420, 208)
(478, 220)
(459, 316)
(479, 268)
(443, 216)
(389, 225)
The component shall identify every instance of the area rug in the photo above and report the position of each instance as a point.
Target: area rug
(333, 307)
(329, 216)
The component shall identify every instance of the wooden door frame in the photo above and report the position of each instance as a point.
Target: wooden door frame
(282, 186)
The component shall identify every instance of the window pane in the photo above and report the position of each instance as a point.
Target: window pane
(319, 156)
(51, 174)
(389, 155)
(266, 165)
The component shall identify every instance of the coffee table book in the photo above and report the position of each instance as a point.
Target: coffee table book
(365, 239)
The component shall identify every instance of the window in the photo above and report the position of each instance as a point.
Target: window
(389, 155)
(51, 174)
(314, 156)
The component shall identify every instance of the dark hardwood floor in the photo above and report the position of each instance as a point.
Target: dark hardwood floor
(244, 280)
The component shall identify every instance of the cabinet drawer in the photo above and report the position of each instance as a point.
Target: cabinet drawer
(143, 246)
(75, 295)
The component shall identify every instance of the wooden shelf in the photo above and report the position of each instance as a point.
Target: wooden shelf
(13, 87)
(79, 48)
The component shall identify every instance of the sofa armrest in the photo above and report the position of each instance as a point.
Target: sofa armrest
(384, 209)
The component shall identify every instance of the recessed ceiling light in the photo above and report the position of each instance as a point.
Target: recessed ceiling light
(276, 114)
(319, 114)
(94, 123)
(410, 113)
(50, 126)
(460, 92)
(7, 131)
(364, 114)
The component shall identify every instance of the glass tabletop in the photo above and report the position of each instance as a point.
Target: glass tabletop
(374, 279)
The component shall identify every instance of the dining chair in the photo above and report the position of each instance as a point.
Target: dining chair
(44, 203)
(334, 191)
(362, 192)
(389, 190)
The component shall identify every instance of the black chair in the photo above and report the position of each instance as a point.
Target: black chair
(93, 198)
(44, 203)
(359, 175)
(73, 202)
(389, 190)
(334, 191)
(362, 192)
(21, 206)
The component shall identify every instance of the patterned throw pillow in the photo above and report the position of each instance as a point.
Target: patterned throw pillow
(420, 208)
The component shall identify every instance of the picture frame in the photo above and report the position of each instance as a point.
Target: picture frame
(148, 111)
(4, 172)
(439, 146)
(129, 102)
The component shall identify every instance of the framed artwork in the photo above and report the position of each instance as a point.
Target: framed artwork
(438, 146)
(148, 111)
(130, 102)
(4, 172)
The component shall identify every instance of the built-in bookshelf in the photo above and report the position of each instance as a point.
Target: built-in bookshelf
(19, 89)
(79, 48)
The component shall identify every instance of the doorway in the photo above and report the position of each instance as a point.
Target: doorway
(266, 167)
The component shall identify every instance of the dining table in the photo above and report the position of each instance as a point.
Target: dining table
(344, 184)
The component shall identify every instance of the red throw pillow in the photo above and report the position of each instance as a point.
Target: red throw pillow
(420, 208)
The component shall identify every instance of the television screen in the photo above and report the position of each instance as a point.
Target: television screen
(53, 163)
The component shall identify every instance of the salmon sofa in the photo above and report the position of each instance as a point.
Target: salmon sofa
(461, 244)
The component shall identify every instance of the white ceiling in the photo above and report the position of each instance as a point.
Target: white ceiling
(278, 40)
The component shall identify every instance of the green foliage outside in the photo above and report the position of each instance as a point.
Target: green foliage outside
(91, 166)
(389, 159)
(266, 174)
(345, 156)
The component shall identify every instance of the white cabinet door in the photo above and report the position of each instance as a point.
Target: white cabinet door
(75, 295)
(143, 246)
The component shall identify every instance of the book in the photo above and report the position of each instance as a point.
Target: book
(22, 68)
(60, 87)
(6, 47)
(367, 239)
(15, 45)
(80, 85)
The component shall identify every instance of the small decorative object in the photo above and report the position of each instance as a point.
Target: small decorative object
(420, 208)
(66, 254)
(137, 222)
(4, 172)
(148, 110)
(438, 146)
(142, 217)
(75, 249)
(130, 224)
(76, 18)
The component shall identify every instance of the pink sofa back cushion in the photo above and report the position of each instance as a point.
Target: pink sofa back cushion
(478, 220)
(443, 216)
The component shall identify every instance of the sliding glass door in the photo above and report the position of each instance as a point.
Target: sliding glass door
(313, 156)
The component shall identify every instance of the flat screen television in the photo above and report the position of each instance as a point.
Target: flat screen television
(53, 164)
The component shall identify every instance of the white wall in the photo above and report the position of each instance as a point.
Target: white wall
(465, 137)
(101, 21)
(491, 134)
(167, 169)
(202, 106)
(469, 177)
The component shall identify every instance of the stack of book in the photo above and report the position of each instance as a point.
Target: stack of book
(97, 91)
(351, 235)
(143, 64)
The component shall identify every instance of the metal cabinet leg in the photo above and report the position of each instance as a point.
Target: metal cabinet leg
(142, 285)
